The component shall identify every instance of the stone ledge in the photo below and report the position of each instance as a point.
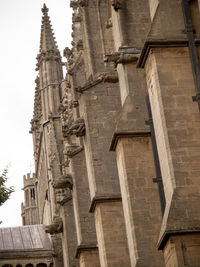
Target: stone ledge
(118, 135)
(162, 242)
(85, 247)
(160, 43)
(32, 253)
(102, 199)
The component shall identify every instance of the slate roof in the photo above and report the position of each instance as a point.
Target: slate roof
(28, 237)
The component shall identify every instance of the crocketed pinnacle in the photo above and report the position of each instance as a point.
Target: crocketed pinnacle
(47, 39)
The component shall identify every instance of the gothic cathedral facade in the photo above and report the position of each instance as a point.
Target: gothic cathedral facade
(117, 140)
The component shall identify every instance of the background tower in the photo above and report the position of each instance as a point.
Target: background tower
(29, 207)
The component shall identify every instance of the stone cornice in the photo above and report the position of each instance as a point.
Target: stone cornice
(118, 135)
(26, 254)
(167, 234)
(160, 43)
(85, 247)
(103, 199)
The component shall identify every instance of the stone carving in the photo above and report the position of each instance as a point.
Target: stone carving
(83, 3)
(116, 4)
(64, 182)
(121, 58)
(76, 18)
(72, 150)
(76, 127)
(63, 195)
(100, 77)
(56, 226)
(74, 3)
(109, 77)
(63, 187)
(109, 23)
(79, 45)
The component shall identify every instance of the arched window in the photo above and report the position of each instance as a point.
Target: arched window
(29, 265)
(51, 264)
(32, 193)
(18, 265)
(7, 265)
(41, 265)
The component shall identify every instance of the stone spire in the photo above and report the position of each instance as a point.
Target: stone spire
(48, 46)
(47, 39)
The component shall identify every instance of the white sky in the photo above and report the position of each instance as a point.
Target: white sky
(20, 22)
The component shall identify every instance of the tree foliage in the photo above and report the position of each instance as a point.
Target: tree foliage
(5, 192)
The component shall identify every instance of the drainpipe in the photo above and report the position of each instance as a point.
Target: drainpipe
(192, 49)
(158, 178)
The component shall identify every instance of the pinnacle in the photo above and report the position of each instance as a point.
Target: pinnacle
(47, 39)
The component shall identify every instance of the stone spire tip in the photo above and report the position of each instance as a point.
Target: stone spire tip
(45, 9)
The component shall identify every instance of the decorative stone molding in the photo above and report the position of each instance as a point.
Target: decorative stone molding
(56, 227)
(76, 127)
(79, 45)
(121, 58)
(74, 4)
(117, 4)
(53, 55)
(72, 150)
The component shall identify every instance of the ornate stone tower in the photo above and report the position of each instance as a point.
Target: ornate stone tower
(29, 207)
(116, 142)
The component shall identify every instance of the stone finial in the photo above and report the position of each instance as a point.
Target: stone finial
(44, 9)
(47, 39)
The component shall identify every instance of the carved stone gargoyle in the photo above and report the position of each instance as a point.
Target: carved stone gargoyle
(63, 195)
(63, 188)
(76, 127)
(72, 150)
(109, 77)
(56, 227)
(83, 3)
(116, 4)
(121, 58)
(64, 182)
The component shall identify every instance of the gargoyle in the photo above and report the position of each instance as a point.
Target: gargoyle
(71, 151)
(83, 3)
(56, 226)
(121, 58)
(109, 77)
(116, 4)
(64, 182)
(76, 127)
(63, 195)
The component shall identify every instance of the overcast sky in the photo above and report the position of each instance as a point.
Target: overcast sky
(20, 23)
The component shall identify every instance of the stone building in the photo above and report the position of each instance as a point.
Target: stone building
(116, 141)
(25, 246)
(29, 207)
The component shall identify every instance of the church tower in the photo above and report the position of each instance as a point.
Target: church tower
(50, 68)
(29, 207)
